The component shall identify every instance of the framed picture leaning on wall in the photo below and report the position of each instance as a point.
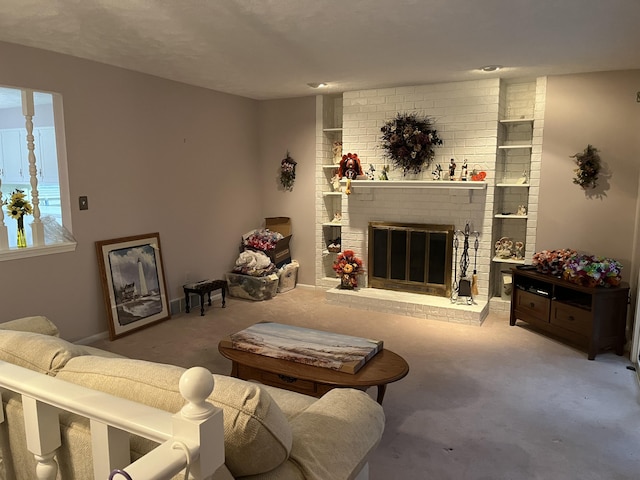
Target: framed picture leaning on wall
(133, 282)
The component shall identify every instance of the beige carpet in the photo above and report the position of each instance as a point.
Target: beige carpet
(482, 403)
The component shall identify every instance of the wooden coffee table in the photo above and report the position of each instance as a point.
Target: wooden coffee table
(385, 367)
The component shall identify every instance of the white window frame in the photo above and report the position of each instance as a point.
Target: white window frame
(63, 182)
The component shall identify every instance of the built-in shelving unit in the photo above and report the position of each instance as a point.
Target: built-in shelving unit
(513, 173)
(329, 114)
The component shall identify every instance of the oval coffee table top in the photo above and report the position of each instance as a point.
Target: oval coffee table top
(384, 367)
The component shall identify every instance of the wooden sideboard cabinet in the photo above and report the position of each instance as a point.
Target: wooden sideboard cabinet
(590, 318)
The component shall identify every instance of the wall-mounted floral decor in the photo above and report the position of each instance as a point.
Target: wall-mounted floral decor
(588, 169)
(409, 141)
(288, 172)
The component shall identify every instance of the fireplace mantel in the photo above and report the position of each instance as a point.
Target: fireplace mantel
(440, 184)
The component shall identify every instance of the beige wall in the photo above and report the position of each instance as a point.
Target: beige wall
(152, 156)
(201, 168)
(289, 125)
(600, 109)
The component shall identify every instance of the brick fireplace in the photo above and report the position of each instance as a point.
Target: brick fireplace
(410, 205)
(467, 117)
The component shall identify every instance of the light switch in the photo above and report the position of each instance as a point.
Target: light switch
(84, 202)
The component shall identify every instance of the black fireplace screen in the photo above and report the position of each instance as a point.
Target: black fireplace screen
(411, 257)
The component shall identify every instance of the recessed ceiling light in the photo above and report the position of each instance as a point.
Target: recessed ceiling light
(491, 68)
(318, 85)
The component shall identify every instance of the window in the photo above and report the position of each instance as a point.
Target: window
(47, 230)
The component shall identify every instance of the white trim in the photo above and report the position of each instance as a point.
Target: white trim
(92, 338)
(470, 185)
(16, 253)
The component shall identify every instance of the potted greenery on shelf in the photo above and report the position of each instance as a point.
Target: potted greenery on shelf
(409, 141)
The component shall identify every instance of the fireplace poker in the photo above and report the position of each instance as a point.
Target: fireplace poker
(464, 289)
(474, 278)
(454, 290)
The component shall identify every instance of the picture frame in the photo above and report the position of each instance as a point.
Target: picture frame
(133, 282)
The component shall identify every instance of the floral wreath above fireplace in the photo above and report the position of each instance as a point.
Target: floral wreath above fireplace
(409, 141)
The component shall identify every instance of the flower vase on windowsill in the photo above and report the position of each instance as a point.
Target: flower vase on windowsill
(17, 207)
(22, 239)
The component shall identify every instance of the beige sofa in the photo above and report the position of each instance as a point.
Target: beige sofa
(269, 433)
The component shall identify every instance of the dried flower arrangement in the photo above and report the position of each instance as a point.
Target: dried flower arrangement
(552, 261)
(409, 141)
(287, 172)
(588, 167)
(348, 267)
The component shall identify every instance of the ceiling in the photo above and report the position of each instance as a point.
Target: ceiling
(266, 49)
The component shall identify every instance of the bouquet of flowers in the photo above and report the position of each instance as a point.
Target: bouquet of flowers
(18, 205)
(347, 266)
(591, 271)
(552, 261)
(409, 142)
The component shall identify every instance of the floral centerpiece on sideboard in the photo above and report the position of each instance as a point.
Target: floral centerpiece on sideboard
(581, 269)
(592, 271)
(552, 262)
(347, 266)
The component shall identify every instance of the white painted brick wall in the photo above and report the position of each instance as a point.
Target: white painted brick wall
(466, 117)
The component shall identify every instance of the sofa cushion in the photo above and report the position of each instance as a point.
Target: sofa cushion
(38, 324)
(258, 437)
(42, 353)
(291, 403)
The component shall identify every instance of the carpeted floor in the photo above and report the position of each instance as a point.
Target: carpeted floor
(479, 403)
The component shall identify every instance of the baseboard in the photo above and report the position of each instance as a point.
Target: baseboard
(92, 339)
(175, 307)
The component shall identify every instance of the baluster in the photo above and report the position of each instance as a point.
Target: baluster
(37, 228)
(42, 429)
(110, 448)
(4, 235)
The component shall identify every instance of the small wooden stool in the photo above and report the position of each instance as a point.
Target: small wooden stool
(202, 287)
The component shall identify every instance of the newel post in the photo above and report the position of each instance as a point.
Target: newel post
(197, 437)
(200, 423)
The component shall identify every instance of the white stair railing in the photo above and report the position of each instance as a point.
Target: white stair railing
(198, 427)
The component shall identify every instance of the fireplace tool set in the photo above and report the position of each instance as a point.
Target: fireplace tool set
(463, 286)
